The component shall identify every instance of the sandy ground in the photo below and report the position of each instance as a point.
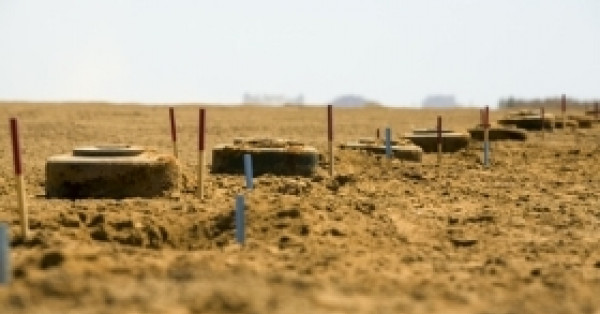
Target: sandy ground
(380, 237)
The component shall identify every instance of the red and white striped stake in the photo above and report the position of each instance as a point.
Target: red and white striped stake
(201, 152)
(563, 109)
(481, 119)
(439, 139)
(14, 131)
(173, 131)
(330, 137)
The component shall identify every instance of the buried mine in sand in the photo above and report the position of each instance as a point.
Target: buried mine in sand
(427, 140)
(110, 171)
(529, 120)
(274, 156)
(403, 150)
(499, 133)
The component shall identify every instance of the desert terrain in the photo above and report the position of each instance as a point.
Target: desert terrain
(379, 237)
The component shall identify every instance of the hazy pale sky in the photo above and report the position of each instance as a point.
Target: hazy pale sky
(396, 52)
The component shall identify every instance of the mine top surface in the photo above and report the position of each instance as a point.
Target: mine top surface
(369, 142)
(104, 153)
(528, 114)
(109, 150)
(433, 133)
(266, 144)
(430, 131)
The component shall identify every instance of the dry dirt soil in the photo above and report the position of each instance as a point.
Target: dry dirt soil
(379, 237)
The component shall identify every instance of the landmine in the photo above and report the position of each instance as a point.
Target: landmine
(403, 149)
(274, 156)
(497, 133)
(595, 115)
(529, 120)
(583, 122)
(110, 171)
(427, 140)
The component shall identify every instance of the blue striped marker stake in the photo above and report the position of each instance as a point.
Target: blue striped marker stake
(4, 255)
(248, 171)
(486, 137)
(388, 144)
(240, 222)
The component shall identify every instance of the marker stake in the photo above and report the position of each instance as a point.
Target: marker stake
(563, 108)
(201, 152)
(486, 137)
(240, 233)
(330, 137)
(4, 254)
(248, 171)
(20, 183)
(378, 133)
(173, 131)
(543, 120)
(481, 119)
(439, 139)
(388, 143)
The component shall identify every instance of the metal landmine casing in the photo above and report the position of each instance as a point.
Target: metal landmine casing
(111, 171)
(509, 132)
(403, 150)
(427, 140)
(583, 122)
(530, 120)
(274, 156)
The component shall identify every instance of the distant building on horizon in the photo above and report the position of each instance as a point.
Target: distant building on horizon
(272, 99)
(352, 101)
(439, 101)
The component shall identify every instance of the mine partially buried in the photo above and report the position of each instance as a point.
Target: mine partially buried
(401, 149)
(110, 171)
(427, 140)
(274, 156)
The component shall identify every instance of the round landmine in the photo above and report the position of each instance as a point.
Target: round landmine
(110, 171)
(499, 133)
(583, 122)
(274, 156)
(528, 120)
(595, 115)
(427, 140)
(429, 131)
(403, 150)
(559, 123)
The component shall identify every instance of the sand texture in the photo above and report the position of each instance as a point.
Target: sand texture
(379, 237)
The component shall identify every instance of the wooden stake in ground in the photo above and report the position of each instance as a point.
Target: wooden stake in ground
(330, 137)
(173, 131)
(377, 133)
(486, 137)
(248, 171)
(388, 143)
(439, 139)
(481, 119)
(543, 120)
(201, 152)
(4, 254)
(563, 109)
(240, 219)
(14, 130)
